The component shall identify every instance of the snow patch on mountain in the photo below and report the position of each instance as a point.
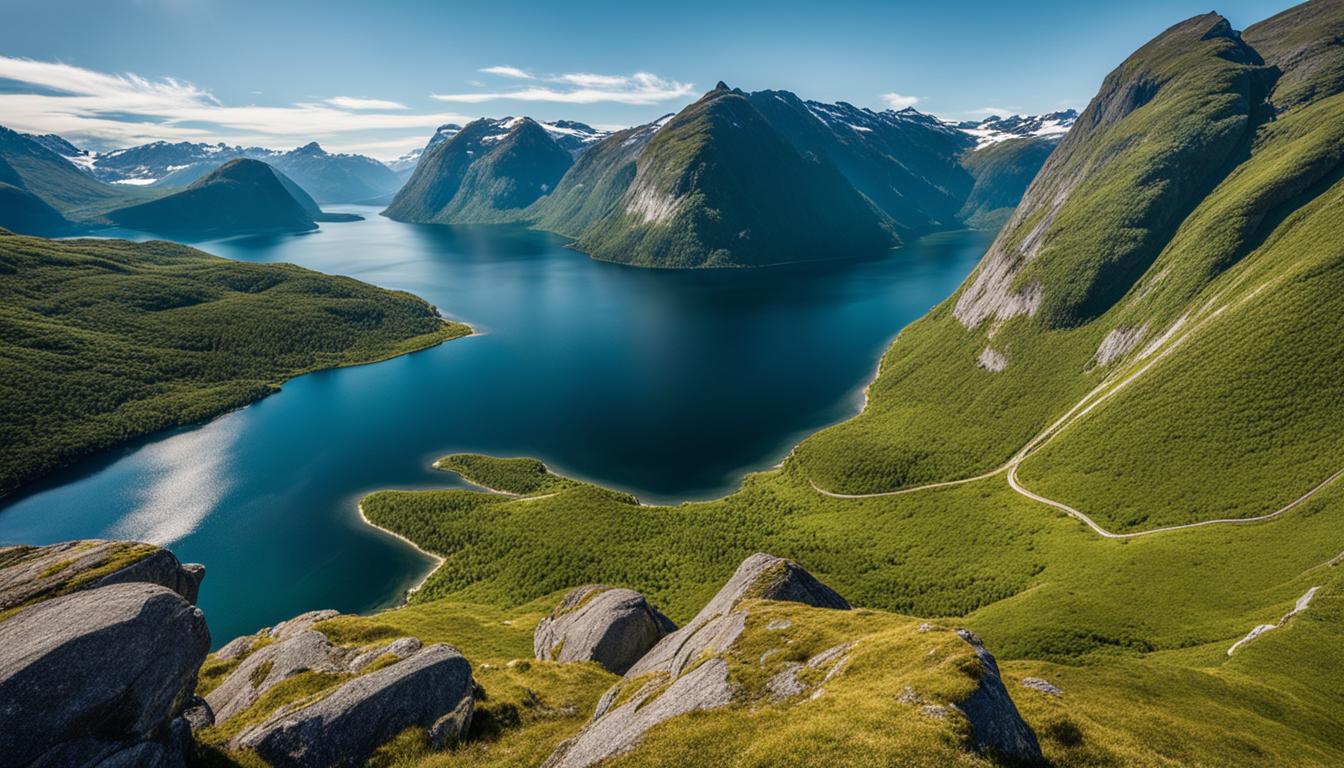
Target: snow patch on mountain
(995, 129)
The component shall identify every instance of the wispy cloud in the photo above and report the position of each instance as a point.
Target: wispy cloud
(121, 109)
(640, 88)
(899, 101)
(507, 72)
(350, 102)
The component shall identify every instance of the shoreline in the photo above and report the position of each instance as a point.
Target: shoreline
(438, 560)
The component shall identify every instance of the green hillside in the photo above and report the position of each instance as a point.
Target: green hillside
(717, 186)
(1002, 173)
(22, 211)
(240, 197)
(102, 341)
(53, 179)
(488, 173)
(906, 163)
(1152, 340)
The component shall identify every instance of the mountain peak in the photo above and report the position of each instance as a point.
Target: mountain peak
(311, 148)
(722, 86)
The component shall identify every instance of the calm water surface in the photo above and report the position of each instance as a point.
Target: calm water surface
(667, 384)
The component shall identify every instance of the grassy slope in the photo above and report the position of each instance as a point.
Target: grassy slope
(106, 340)
(241, 196)
(717, 186)
(1148, 680)
(1002, 173)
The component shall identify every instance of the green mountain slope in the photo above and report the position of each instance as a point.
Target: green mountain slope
(241, 197)
(23, 212)
(102, 341)
(905, 162)
(717, 186)
(52, 178)
(489, 172)
(1153, 340)
(594, 187)
(1002, 173)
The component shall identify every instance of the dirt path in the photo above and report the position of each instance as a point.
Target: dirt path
(1098, 395)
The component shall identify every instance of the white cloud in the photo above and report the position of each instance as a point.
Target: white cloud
(120, 110)
(350, 102)
(899, 101)
(508, 72)
(640, 88)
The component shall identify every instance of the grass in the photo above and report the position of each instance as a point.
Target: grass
(1181, 199)
(519, 476)
(105, 340)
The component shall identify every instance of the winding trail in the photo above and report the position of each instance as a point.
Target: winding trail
(1098, 395)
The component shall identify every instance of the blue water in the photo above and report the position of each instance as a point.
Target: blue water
(667, 384)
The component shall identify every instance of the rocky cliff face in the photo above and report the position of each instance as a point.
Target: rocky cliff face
(99, 651)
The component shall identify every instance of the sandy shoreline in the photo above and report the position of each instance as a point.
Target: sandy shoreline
(438, 561)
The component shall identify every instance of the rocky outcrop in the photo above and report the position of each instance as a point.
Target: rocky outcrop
(996, 726)
(100, 677)
(276, 654)
(612, 626)
(31, 574)
(620, 729)
(676, 677)
(271, 664)
(432, 689)
(717, 625)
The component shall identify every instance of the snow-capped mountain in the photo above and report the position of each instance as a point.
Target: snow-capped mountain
(571, 135)
(994, 129)
(81, 158)
(406, 163)
(149, 163)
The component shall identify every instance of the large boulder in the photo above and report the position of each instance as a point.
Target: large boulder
(620, 729)
(609, 625)
(675, 677)
(271, 664)
(30, 574)
(431, 689)
(100, 675)
(760, 576)
(996, 725)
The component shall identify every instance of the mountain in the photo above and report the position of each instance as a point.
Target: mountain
(905, 162)
(240, 197)
(488, 172)
(994, 129)
(1115, 456)
(148, 164)
(50, 177)
(337, 178)
(574, 136)
(102, 341)
(23, 212)
(1002, 170)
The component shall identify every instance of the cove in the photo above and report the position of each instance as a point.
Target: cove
(667, 384)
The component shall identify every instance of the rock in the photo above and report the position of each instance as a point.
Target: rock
(716, 625)
(996, 724)
(295, 652)
(303, 621)
(612, 626)
(400, 648)
(198, 714)
(31, 574)
(679, 677)
(236, 647)
(1044, 686)
(619, 731)
(432, 689)
(91, 675)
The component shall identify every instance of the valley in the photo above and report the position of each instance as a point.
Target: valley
(654, 505)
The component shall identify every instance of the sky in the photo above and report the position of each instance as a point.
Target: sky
(378, 77)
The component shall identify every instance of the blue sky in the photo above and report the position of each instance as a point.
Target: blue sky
(376, 77)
